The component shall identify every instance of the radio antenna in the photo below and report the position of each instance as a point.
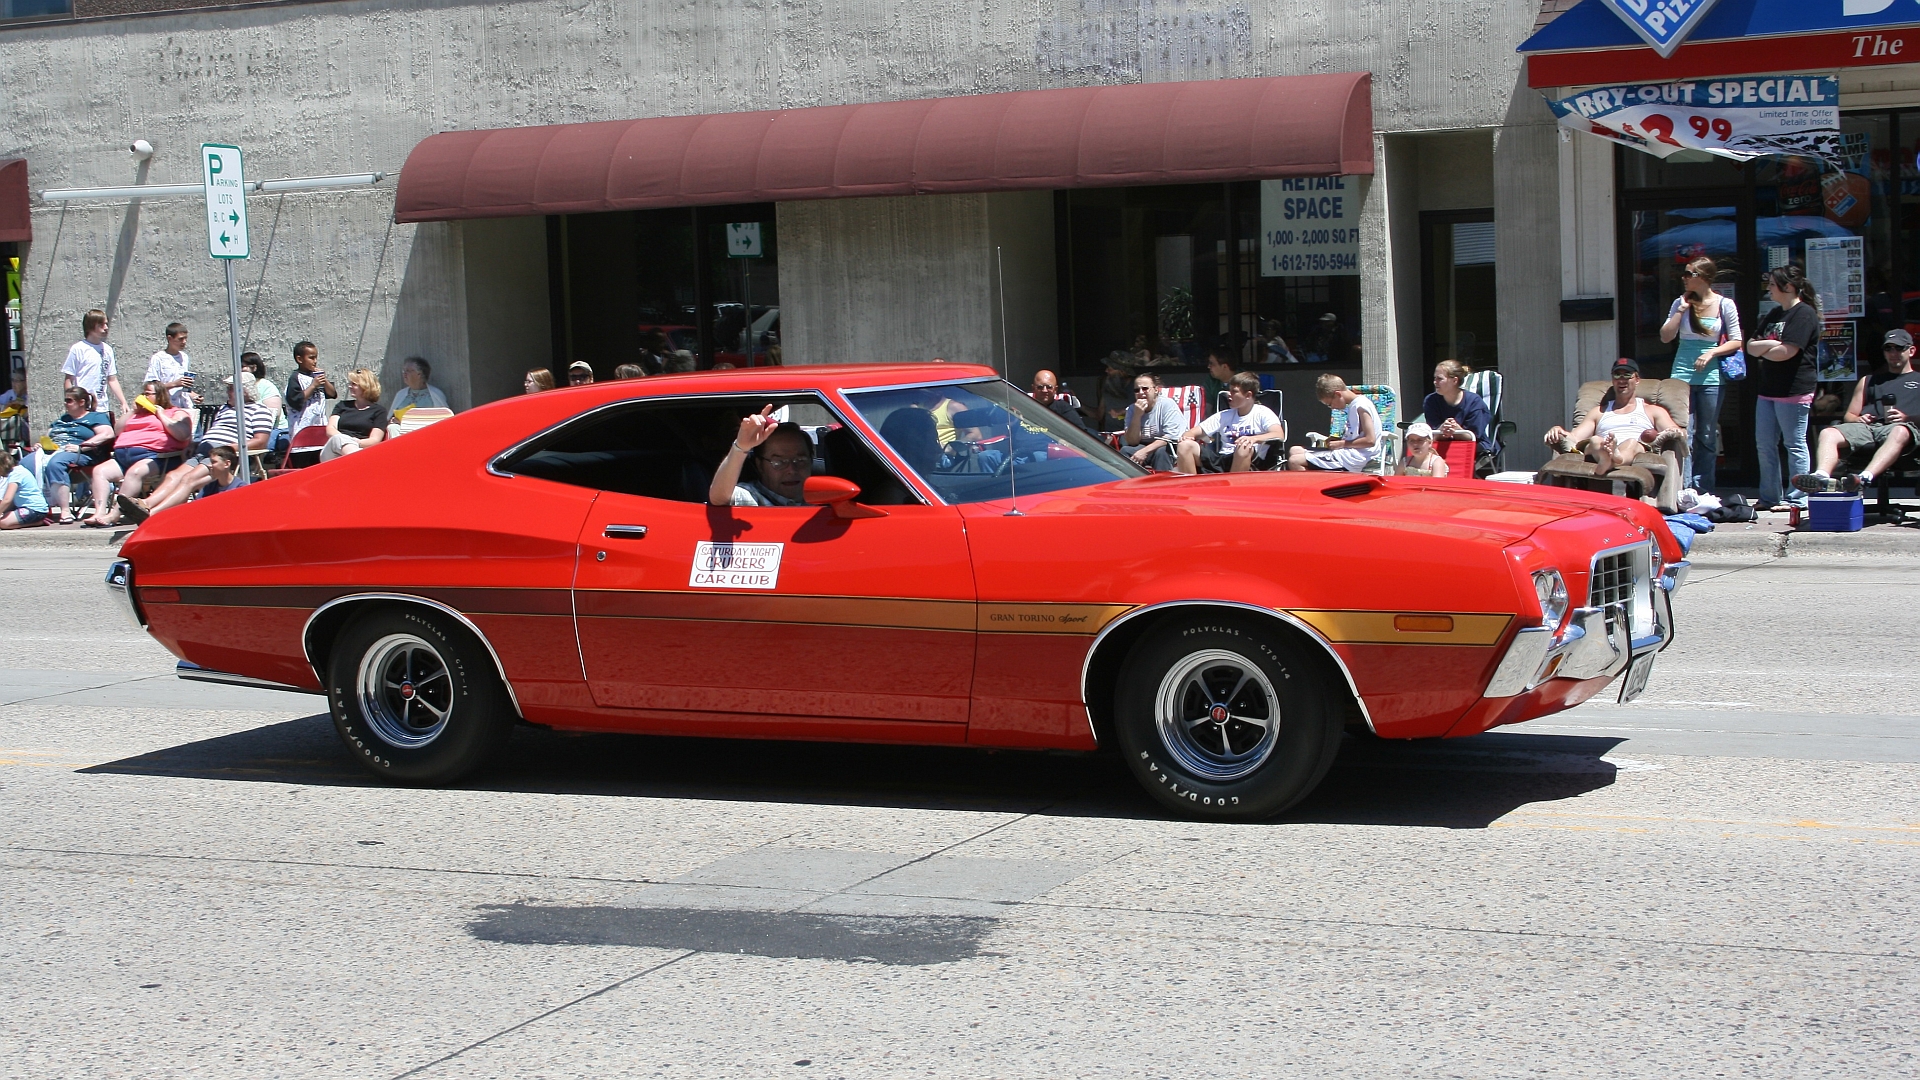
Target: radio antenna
(1006, 372)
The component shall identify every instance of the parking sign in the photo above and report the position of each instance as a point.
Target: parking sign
(224, 179)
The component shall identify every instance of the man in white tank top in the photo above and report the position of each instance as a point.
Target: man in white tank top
(1622, 427)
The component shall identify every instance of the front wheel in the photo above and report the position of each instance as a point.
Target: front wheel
(1217, 720)
(416, 700)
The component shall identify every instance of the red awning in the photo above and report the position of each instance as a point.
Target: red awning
(16, 224)
(1108, 136)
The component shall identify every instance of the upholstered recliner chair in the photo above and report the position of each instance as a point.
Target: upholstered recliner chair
(1658, 475)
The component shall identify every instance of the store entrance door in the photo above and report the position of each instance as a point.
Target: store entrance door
(1660, 235)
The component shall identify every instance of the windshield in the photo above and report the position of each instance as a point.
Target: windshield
(984, 440)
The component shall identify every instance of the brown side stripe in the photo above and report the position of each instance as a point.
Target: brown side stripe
(1379, 628)
(817, 610)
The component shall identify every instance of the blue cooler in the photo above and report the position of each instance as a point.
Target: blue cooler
(1835, 512)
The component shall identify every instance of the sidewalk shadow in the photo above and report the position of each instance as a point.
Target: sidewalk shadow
(1459, 783)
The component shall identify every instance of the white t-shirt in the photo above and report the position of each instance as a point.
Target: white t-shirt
(165, 367)
(753, 493)
(91, 366)
(1227, 427)
(1354, 458)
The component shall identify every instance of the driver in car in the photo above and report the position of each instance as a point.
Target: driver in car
(782, 457)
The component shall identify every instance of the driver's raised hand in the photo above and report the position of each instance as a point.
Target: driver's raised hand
(755, 429)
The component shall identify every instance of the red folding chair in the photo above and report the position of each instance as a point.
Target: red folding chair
(1459, 455)
(304, 450)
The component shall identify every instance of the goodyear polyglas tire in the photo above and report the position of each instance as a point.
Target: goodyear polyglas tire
(1217, 720)
(415, 699)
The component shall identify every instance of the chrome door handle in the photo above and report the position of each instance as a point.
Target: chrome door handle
(625, 532)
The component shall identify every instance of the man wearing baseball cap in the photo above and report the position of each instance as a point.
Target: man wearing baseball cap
(1880, 424)
(579, 373)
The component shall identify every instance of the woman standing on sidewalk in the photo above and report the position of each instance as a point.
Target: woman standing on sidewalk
(1785, 381)
(1708, 327)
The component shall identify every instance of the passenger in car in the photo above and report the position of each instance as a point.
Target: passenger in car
(782, 456)
(915, 436)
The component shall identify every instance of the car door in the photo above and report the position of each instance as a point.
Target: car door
(776, 612)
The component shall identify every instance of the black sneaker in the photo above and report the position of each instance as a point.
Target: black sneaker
(1850, 484)
(1814, 483)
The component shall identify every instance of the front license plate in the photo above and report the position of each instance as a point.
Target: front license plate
(1637, 674)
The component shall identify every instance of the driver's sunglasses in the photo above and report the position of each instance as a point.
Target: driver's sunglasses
(786, 462)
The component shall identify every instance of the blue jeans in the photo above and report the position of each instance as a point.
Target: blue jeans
(55, 472)
(1703, 407)
(1775, 423)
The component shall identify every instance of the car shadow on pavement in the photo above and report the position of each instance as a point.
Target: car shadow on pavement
(1454, 783)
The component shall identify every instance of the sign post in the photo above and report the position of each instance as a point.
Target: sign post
(224, 180)
(743, 242)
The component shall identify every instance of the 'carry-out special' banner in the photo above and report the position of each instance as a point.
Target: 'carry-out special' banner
(1732, 118)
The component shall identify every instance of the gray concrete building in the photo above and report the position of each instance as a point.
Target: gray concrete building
(1459, 222)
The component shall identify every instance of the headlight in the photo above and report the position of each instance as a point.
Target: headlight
(1551, 588)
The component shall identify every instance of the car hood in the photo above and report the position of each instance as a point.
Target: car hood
(1501, 513)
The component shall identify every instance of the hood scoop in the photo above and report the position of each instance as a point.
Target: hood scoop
(1349, 491)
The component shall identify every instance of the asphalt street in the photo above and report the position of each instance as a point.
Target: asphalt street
(1719, 879)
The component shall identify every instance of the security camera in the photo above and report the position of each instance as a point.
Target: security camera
(141, 148)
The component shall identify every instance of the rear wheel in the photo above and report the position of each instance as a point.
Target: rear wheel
(1217, 720)
(415, 699)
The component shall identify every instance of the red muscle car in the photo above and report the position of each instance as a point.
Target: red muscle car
(965, 568)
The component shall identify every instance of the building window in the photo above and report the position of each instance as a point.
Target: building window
(1457, 298)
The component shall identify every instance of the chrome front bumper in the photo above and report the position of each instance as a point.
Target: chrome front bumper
(1587, 648)
(120, 584)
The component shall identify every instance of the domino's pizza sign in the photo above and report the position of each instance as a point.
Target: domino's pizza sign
(1663, 24)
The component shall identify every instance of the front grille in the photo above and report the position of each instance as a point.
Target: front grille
(1612, 583)
(1612, 580)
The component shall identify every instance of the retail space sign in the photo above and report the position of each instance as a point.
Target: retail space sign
(1731, 118)
(224, 180)
(1663, 24)
(1310, 225)
(743, 239)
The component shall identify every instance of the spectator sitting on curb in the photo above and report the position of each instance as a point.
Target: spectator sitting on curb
(220, 473)
(418, 392)
(1420, 459)
(1460, 413)
(1154, 425)
(1046, 391)
(172, 368)
(538, 381)
(81, 437)
(1355, 450)
(1623, 426)
(223, 431)
(146, 432)
(1233, 439)
(16, 397)
(22, 504)
(13, 412)
(579, 373)
(629, 371)
(1880, 423)
(359, 422)
(266, 393)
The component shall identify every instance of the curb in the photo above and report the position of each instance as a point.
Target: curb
(57, 538)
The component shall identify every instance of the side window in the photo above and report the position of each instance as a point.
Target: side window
(668, 448)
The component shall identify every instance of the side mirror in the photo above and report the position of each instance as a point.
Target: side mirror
(839, 493)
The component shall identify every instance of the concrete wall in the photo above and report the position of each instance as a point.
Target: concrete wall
(1526, 222)
(352, 86)
(1587, 267)
(508, 326)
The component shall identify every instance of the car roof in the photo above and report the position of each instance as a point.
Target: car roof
(782, 379)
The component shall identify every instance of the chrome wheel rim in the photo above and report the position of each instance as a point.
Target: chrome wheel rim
(404, 691)
(1218, 715)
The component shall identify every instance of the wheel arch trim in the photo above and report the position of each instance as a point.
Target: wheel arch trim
(306, 634)
(1287, 618)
